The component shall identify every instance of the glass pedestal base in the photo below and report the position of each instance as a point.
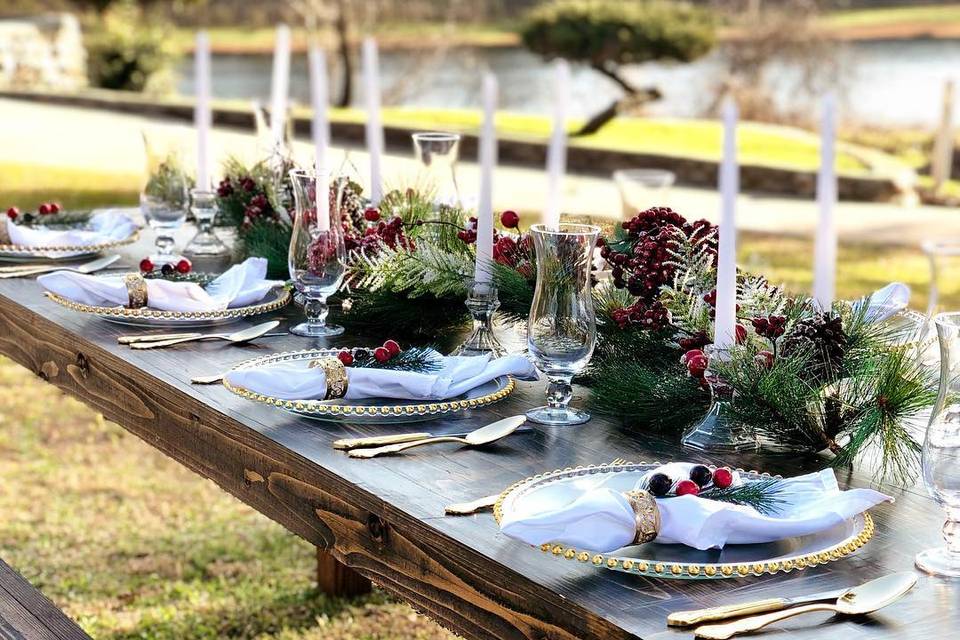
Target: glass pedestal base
(558, 416)
(206, 243)
(483, 303)
(939, 562)
(717, 432)
(314, 330)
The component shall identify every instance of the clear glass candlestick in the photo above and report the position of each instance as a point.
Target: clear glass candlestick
(317, 258)
(941, 451)
(438, 153)
(561, 328)
(718, 431)
(203, 205)
(482, 301)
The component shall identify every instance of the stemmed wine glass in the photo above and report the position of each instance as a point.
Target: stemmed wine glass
(164, 203)
(562, 329)
(941, 451)
(317, 258)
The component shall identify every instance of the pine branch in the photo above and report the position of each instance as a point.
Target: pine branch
(387, 313)
(762, 495)
(416, 359)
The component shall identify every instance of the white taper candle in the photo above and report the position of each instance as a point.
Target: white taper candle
(725, 324)
(825, 243)
(557, 148)
(487, 155)
(280, 84)
(374, 129)
(201, 111)
(318, 100)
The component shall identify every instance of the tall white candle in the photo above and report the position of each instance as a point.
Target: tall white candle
(825, 244)
(557, 149)
(201, 111)
(318, 100)
(374, 129)
(322, 186)
(280, 84)
(488, 160)
(724, 335)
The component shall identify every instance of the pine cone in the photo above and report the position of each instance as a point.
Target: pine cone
(821, 338)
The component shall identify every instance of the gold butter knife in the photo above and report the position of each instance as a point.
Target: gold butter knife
(699, 616)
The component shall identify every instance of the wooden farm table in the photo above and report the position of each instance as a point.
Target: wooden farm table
(384, 517)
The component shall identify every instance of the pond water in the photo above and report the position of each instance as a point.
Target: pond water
(885, 82)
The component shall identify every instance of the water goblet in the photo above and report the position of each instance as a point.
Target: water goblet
(643, 188)
(561, 328)
(317, 258)
(163, 204)
(203, 205)
(438, 153)
(941, 451)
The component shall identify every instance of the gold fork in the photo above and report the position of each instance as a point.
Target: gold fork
(466, 508)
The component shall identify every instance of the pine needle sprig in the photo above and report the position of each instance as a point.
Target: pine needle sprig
(430, 318)
(61, 220)
(415, 359)
(763, 495)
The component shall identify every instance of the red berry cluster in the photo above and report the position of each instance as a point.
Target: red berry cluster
(641, 263)
(389, 350)
(700, 477)
(255, 204)
(508, 250)
(388, 233)
(45, 208)
(696, 341)
(183, 267)
(649, 316)
(770, 327)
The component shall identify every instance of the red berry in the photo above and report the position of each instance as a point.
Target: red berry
(371, 215)
(510, 219)
(687, 487)
(54, 207)
(184, 266)
(722, 478)
(345, 357)
(13, 212)
(381, 354)
(764, 359)
(392, 347)
(146, 266)
(741, 332)
(697, 366)
(692, 353)
(43, 209)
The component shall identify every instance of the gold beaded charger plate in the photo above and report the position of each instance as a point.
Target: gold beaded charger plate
(147, 317)
(370, 410)
(22, 253)
(677, 561)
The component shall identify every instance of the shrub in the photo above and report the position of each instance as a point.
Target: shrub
(127, 52)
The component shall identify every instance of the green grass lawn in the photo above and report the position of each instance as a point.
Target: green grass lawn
(932, 14)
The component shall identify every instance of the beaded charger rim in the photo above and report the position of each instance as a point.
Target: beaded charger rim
(280, 297)
(25, 250)
(324, 408)
(863, 530)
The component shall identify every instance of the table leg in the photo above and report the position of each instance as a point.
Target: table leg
(337, 579)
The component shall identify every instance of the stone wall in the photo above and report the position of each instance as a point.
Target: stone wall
(43, 51)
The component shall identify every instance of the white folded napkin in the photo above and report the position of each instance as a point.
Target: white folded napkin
(885, 303)
(601, 519)
(241, 285)
(107, 225)
(458, 374)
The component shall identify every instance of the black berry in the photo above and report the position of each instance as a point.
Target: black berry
(363, 354)
(167, 269)
(701, 475)
(659, 484)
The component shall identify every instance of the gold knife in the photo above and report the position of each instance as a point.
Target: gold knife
(155, 337)
(699, 616)
(346, 444)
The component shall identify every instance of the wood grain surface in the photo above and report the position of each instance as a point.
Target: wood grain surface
(384, 517)
(26, 614)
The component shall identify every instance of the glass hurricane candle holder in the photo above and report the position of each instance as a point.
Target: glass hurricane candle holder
(317, 258)
(941, 451)
(482, 301)
(203, 205)
(438, 153)
(561, 328)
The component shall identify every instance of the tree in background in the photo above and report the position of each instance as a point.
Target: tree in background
(607, 34)
(126, 50)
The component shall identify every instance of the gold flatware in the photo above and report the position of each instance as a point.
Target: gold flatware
(714, 614)
(88, 267)
(487, 502)
(345, 444)
(159, 337)
(216, 378)
(244, 335)
(860, 600)
(476, 438)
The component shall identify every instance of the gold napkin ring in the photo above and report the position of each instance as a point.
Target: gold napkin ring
(136, 290)
(336, 375)
(646, 515)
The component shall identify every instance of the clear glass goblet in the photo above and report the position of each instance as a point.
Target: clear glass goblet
(203, 205)
(641, 189)
(438, 153)
(941, 451)
(317, 258)
(164, 203)
(562, 328)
